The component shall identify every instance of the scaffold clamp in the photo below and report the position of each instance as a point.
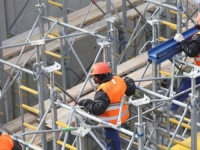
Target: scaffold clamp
(193, 74)
(37, 42)
(153, 20)
(139, 102)
(111, 19)
(103, 42)
(52, 68)
(82, 130)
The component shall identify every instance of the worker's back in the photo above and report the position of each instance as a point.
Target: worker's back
(6, 142)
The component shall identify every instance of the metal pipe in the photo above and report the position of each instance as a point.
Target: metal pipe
(76, 28)
(16, 67)
(161, 4)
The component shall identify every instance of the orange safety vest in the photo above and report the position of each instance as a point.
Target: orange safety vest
(115, 90)
(6, 142)
(197, 60)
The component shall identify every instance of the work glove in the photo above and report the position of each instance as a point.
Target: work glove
(85, 103)
(179, 37)
(197, 26)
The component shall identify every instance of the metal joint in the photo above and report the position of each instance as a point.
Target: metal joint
(103, 43)
(52, 68)
(37, 70)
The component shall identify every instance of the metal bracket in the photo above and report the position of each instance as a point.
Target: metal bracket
(103, 43)
(82, 130)
(139, 102)
(52, 68)
(38, 42)
(153, 20)
(111, 19)
(193, 74)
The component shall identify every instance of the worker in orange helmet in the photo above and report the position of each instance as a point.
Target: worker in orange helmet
(111, 90)
(7, 143)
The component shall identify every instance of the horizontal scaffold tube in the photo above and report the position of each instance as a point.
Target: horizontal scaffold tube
(76, 28)
(16, 67)
(28, 89)
(94, 118)
(31, 109)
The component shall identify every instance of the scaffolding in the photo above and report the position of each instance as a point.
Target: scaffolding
(147, 128)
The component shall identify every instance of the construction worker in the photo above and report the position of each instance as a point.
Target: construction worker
(192, 49)
(7, 143)
(111, 90)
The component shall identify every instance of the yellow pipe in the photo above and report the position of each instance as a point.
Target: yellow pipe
(175, 13)
(52, 54)
(58, 73)
(29, 126)
(61, 124)
(169, 24)
(162, 147)
(24, 95)
(67, 145)
(163, 39)
(54, 3)
(165, 73)
(182, 124)
(29, 89)
(59, 90)
(31, 109)
(55, 34)
(1, 113)
(23, 81)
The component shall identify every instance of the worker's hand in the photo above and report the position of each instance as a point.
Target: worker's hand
(179, 37)
(81, 102)
(84, 102)
(197, 26)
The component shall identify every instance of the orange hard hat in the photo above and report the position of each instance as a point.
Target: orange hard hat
(100, 68)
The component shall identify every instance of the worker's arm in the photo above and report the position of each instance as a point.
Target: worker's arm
(191, 47)
(130, 86)
(98, 106)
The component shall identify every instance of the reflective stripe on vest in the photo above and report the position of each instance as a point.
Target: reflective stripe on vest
(115, 90)
(114, 117)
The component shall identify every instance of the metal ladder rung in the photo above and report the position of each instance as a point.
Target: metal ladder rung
(175, 13)
(24, 95)
(31, 109)
(163, 39)
(30, 126)
(52, 54)
(54, 3)
(58, 73)
(182, 124)
(59, 90)
(67, 145)
(28, 89)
